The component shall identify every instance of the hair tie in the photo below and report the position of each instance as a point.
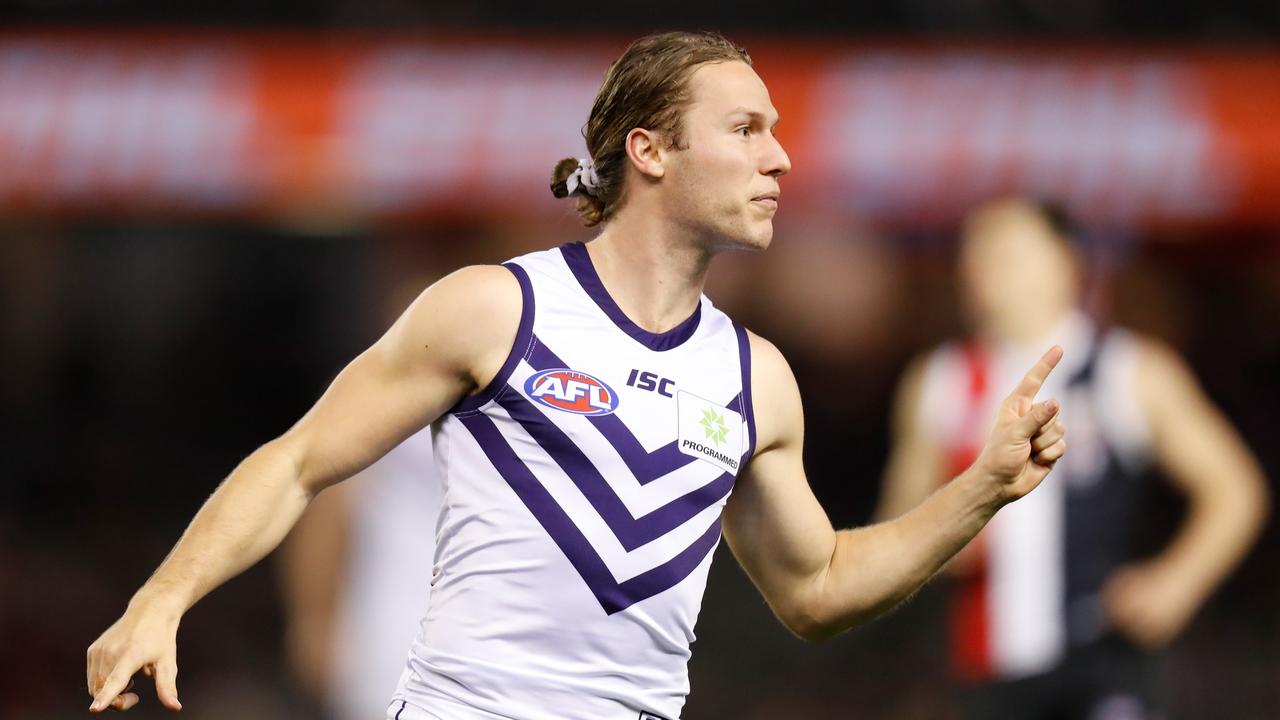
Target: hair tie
(583, 177)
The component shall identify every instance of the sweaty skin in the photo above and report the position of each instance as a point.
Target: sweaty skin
(718, 190)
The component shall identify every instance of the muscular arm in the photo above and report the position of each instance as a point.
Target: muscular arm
(820, 582)
(451, 341)
(1199, 450)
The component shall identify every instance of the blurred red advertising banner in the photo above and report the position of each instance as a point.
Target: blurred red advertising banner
(372, 128)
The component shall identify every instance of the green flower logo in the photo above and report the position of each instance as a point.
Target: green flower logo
(717, 432)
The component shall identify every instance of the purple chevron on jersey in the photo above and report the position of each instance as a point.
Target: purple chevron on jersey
(524, 335)
(743, 401)
(631, 531)
(612, 595)
(646, 466)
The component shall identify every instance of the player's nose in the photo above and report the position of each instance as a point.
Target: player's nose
(776, 162)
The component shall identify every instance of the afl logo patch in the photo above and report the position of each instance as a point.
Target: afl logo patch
(571, 391)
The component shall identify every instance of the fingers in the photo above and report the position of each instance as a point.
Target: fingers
(1051, 454)
(1035, 377)
(92, 670)
(166, 675)
(1040, 415)
(125, 701)
(1048, 434)
(113, 691)
(117, 682)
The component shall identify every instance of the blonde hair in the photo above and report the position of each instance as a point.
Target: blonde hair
(647, 87)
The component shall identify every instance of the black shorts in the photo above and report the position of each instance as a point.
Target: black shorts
(1109, 680)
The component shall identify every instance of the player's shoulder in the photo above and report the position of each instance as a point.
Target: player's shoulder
(930, 361)
(479, 279)
(912, 381)
(934, 370)
(470, 312)
(768, 364)
(776, 396)
(473, 292)
(1159, 371)
(1147, 348)
(1137, 354)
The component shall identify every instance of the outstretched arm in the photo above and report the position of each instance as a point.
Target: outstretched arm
(820, 582)
(451, 341)
(1204, 456)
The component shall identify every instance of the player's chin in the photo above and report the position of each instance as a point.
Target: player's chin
(757, 235)
(765, 238)
(745, 234)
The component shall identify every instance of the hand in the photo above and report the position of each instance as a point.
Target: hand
(1028, 437)
(1149, 603)
(143, 639)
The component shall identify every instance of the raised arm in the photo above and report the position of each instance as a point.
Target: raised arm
(450, 342)
(1205, 458)
(820, 582)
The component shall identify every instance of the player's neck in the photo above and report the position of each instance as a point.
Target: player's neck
(1032, 330)
(656, 276)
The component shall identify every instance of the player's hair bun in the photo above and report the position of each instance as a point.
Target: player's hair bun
(590, 207)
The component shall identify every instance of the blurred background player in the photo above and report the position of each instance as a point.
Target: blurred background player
(355, 572)
(1052, 616)
(356, 578)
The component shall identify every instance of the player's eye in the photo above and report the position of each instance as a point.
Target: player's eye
(743, 130)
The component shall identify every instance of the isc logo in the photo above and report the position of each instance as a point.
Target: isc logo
(571, 391)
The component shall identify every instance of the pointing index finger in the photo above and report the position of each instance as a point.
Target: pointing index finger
(1035, 377)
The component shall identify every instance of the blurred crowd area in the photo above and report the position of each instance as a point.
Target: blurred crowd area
(142, 360)
(1236, 19)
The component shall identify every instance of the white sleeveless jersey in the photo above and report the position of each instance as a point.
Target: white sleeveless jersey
(583, 491)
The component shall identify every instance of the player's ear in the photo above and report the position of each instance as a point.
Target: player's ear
(644, 150)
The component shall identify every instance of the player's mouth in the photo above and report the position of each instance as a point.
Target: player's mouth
(769, 200)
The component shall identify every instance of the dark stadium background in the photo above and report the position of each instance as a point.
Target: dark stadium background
(147, 347)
